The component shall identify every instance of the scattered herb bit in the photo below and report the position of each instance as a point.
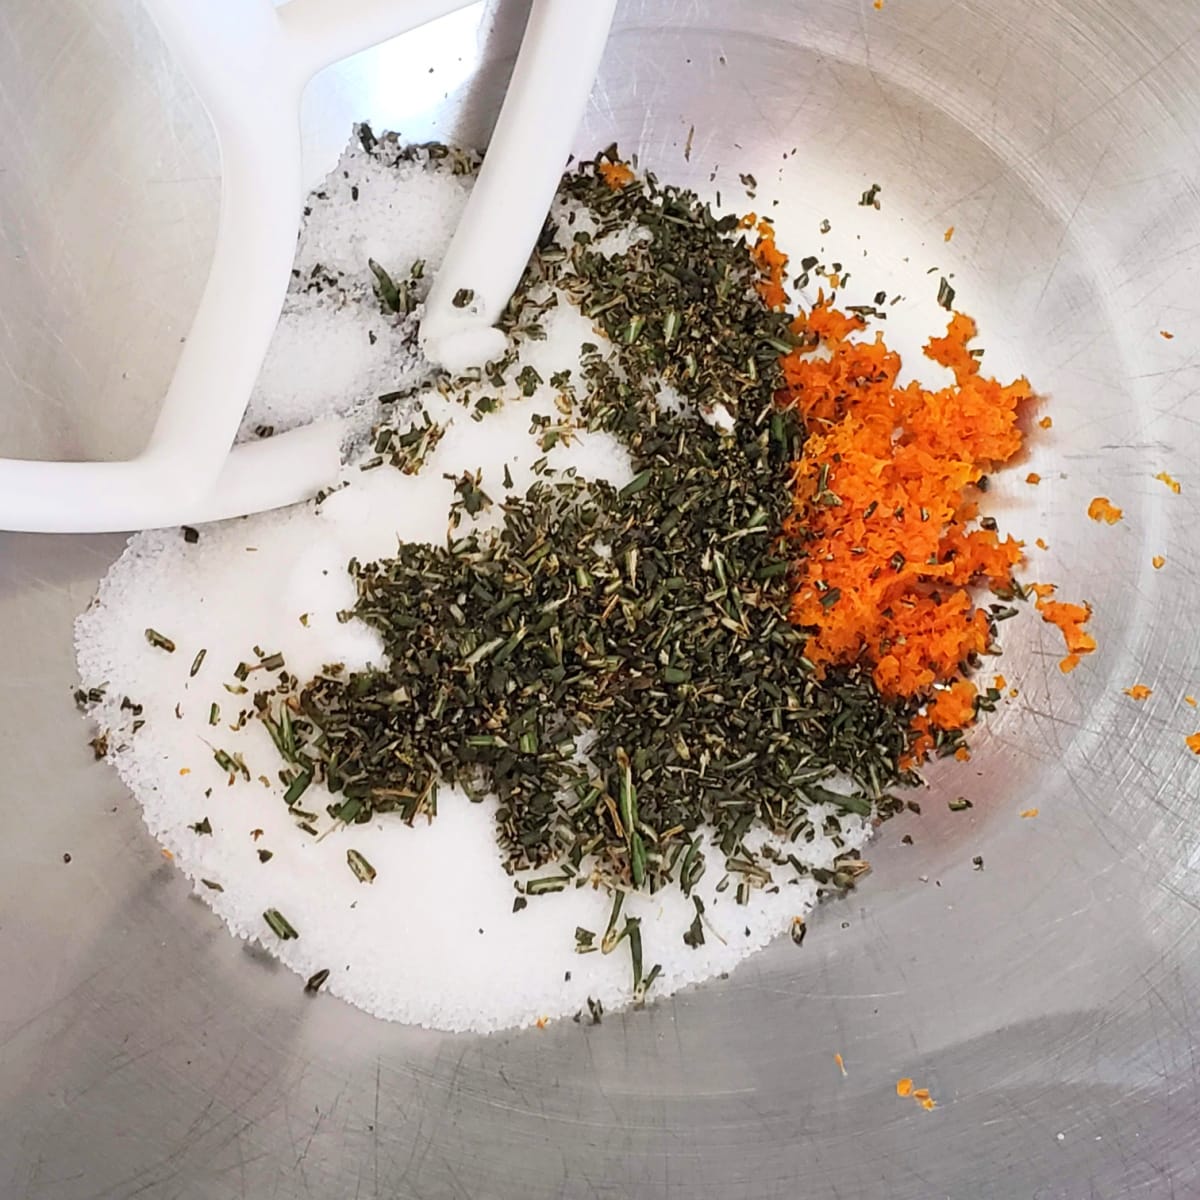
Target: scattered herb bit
(203, 826)
(363, 871)
(265, 856)
(960, 804)
(946, 294)
(190, 535)
(197, 662)
(159, 642)
(313, 986)
(281, 927)
(870, 198)
(385, 288)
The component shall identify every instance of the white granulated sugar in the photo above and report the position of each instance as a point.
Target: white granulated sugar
(334, 351)
(331, 354)
(433, 940)
(404, 213)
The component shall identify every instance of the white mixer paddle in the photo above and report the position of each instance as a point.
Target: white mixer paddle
(248, 59)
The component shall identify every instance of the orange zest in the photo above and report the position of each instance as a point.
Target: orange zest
(1173, 484)
(905, 1090)
(1070, 619)
(1046, 422)
(616, 175)
(1034, 478)
(1193, 742)
(1139, 691)
(884, 515)
(1158, 562)
(1029, 813)
(770, 261)
(1102, 509)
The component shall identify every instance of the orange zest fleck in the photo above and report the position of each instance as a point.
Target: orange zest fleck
(1046, 422)
(879, 5)
(1028, 813)
(166, 853)
(1041, 544)
(1190, 700)
(1102, 509)
(1000, 683)
(1173, 484)
(905, 1090)
(185, 770)
(770, 261)
(841, 1064)
(1166, 334)
(948, 234)
(1193, 742)
(1034, 478)
(1070, 619)
(542, 1022)
(962, 754)
(616, 175)
(1139, 691)
(1158, 562)
(884, 515)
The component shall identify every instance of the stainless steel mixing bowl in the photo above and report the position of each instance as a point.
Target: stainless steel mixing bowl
(1050, 1001)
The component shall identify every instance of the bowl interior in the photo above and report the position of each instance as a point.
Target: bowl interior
(1045, 999)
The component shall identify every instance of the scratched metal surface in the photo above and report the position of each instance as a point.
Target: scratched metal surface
(1051, 1002)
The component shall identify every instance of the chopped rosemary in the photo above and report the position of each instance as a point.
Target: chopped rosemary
(363, 871)
(281, 927)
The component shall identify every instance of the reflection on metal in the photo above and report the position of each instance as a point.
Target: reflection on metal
(1048, 1001)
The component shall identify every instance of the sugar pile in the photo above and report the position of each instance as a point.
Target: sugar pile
(433, 940)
